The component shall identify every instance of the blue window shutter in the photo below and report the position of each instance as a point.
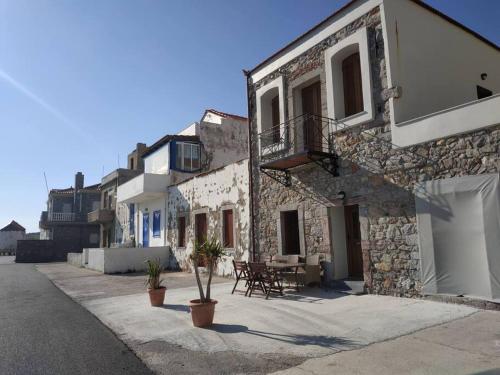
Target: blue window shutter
(157, 223)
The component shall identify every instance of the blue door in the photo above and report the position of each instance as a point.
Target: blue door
(145, 230)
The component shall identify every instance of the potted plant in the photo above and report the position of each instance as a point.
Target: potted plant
(202, 309)
(155, 289)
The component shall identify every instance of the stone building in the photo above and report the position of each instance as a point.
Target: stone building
(350, 119)
(112, 217)
(64, 227)
(9, 235)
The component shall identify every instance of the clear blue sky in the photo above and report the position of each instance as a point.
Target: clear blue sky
(82, 81)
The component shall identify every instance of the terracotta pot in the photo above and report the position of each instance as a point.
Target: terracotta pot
(202, 313)
(157, 296)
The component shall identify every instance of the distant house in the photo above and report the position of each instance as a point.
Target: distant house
(9, 236)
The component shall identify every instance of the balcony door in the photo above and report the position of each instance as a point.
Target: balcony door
(145, 230)
(311, 105)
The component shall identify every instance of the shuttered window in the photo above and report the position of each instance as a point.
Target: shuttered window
(353, 89)
(275, 110)
(228, 228)
(181, 227)
(156, 223)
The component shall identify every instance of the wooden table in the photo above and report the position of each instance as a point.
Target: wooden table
(283, 265)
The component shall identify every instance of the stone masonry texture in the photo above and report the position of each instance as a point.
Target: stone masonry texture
(374, 174)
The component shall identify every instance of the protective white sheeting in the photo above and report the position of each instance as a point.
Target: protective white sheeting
(459, 236)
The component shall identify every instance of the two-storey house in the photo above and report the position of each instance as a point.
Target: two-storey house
(374, 141)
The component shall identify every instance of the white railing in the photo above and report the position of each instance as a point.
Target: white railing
(61, 216)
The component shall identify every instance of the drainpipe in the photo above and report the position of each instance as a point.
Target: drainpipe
(250, 183)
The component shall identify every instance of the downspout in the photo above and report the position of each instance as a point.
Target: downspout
(250, 155)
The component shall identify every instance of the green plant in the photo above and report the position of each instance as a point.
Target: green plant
(153, 271)
(211, 252)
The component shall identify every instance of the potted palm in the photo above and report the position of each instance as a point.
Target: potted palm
(209, 253)
(155, 289)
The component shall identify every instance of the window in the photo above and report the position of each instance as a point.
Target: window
(348, 80)
(188, 156)
(105, 200)
(181, 231)
(94, 238)
(157, 223)
(353, 90)
(290, 232)
(132, 163)
(275, 110)
(228, 228)
(131, 219)
(200, 227)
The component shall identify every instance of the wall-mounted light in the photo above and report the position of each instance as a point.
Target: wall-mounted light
(341, 195)
(483, 76)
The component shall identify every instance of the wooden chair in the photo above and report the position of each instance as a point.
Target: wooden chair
(241, 272)
(265, 279)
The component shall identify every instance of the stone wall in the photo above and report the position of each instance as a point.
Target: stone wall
(210, 193)
(373, 174)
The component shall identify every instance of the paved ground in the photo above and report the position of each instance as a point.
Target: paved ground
(42, 331)
(331, 332)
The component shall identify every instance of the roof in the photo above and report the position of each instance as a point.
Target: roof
(13, 227)
(170, 137)
(225, 115)
(71, 190)
(340, 10)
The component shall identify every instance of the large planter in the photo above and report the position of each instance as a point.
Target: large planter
(157, 296)
(202, 313)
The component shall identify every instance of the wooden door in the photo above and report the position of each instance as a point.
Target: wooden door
(353, 89)
(353, 239)
(311, 105)
(290, 235)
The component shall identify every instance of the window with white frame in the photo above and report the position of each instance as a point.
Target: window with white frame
(348, 80)
(188, 156)
(270, 116)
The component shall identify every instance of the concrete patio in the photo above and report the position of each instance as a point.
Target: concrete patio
(263, 335)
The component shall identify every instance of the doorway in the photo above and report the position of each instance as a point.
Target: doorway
(353, 242)
(290, 232)
(311, 105)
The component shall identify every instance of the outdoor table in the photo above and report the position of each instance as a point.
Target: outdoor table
(283, 265)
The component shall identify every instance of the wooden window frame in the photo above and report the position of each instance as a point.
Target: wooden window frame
(181, 244)
(232, 243)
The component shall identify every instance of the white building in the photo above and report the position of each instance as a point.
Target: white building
(10, 234)
(201, 170)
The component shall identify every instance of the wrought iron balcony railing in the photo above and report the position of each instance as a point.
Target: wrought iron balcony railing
(303, 134)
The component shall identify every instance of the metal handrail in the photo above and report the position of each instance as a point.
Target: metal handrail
(302, 133)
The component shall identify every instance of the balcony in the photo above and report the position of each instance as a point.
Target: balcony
(49, 218)
(101, 216)
(302, 140)
(147, 186)
(61, 216)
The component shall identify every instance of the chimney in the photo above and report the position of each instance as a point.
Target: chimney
(79, 181)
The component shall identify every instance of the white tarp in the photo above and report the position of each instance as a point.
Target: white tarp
(459, 236)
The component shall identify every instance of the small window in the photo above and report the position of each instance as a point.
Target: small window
(228, 228)
(353, 89)
(105, 200)
(200, 227)
(290, 233)
(131, 219)
(483, 92)
(131, 163)
(156, 223)
(188, 156)
(181, 231)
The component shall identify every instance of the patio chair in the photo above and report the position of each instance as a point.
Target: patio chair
(241, 272)
(289, 274)
(265, 279)
(312, 270)
(263, 258)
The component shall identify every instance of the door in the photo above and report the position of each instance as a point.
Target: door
(311, 105)
(353, 241)
(290, 232)
(145, 230)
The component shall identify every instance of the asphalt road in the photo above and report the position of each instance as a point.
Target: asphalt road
(42, 331)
